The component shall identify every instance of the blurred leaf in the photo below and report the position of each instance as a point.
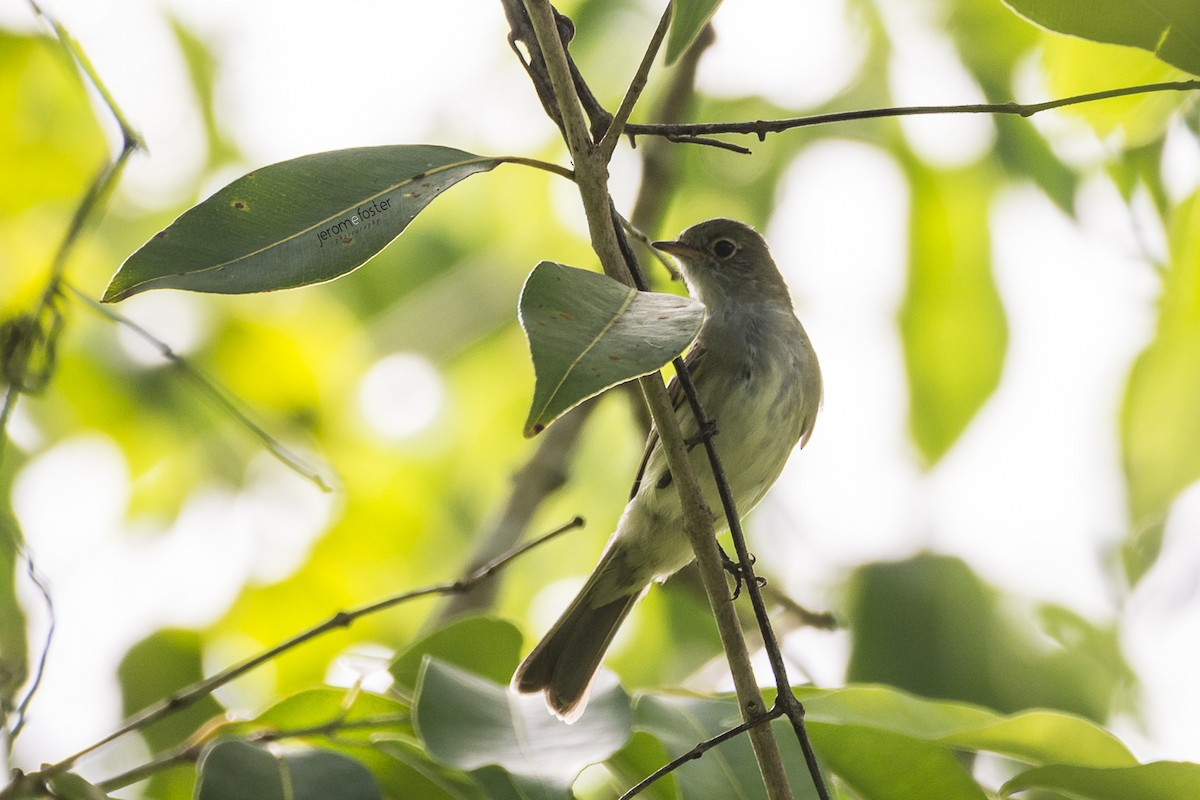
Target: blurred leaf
(1077, 66)
(688, 18)
(485, 646)
(14, 648)
(155, 668)
(409, 773)
(882, 765)
(235, 770)
(1031, 737)
(991, 41)
(952, 322)
(588, 332)
(1024, 152)
(642, 755)
(69, 786)
(307, 220)
(51, 144)
(1161, 780)
(1168, 28)
(680, 722)
(471, 723)
(202, 68)
(317, 708)
(1160, 428)
(929, 625)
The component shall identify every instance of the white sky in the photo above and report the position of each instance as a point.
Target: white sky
(1031, 496)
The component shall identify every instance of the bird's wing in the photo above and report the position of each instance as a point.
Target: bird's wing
(695, 363)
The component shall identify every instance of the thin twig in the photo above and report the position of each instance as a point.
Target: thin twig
(697, 751)
(761, 128)
(636, 86)
(39, 672)
(342, 619)
(225, 399)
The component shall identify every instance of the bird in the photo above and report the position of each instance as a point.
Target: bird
(758, 379)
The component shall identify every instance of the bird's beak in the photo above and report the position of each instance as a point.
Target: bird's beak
(677, 249)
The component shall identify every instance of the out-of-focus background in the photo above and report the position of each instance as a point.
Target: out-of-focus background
(983, 497)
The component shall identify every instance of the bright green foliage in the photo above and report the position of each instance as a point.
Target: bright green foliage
(1162, 780)
(1168, 28)
(1160, 426)
(303, 221)
(951, 323)
(587, 332)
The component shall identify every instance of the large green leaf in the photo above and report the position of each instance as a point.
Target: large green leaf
(680, 722)
(929, 625)
(588, 332)
(302, 221)
(1160, 426)
(471, 723)
(688, 18)
(951, 322)
(1168, 28)
(483, 645)
(1161, 780)
(235, 770)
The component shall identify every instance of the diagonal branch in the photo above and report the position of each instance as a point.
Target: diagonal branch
(342, 619)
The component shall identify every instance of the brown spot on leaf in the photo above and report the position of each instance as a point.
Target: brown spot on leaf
(160, 235)
(613, 357)
(347, 239)
(240, 205)
(566, 316)
(538, 427)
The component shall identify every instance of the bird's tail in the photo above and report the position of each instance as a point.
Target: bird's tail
(565, 661)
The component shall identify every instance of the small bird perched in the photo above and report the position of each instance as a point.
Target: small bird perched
(758, 379)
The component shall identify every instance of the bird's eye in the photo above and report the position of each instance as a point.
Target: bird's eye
(724, 248)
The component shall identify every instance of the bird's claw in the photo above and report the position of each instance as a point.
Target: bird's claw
(735, 569)
(707, 431)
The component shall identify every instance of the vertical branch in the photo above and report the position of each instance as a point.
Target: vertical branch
(591, 170)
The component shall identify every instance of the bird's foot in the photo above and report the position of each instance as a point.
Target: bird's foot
(735, 569)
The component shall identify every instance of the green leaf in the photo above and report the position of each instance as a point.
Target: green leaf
(883, 765)
(1161, 780)
(1159, 424)
(1033, 737)
(235, 770)
(486, 646)
(688, 18)
(680, 722)
(952, 322)
(1168, 28)
(929, 625)
(315, 708)
(14, 647)
(157, 666)
(298, 222)
(471, 723)
(587, 332)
